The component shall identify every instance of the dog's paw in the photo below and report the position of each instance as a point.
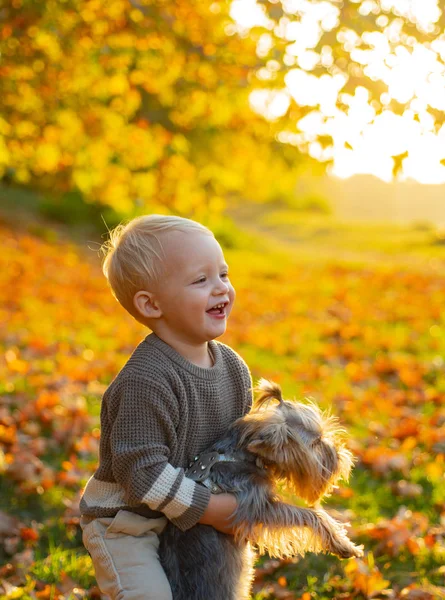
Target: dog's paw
(349, 551)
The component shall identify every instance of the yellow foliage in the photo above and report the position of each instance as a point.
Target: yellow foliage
(118, 84)
(144, 185)
(26, 129)
(71, 128)
(136, 15)
(435, 471)
(99, 28)
(111, 85)
(5, 127)
(180, 144)
(22, 175)
(49, 44)
(4, 153)
(47, 157)
(84, 181)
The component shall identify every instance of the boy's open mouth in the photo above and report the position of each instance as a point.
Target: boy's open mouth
(219, 309)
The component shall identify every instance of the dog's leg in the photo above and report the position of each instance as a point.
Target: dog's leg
(245, 580)
(203, 564)
(285, 530)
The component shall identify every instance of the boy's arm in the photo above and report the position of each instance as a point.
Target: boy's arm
(144, 416)
(219, 511)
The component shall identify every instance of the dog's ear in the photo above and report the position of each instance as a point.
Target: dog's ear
(256, 446)
(278, 453)
(267, 390)
(263, 449)
(270, 441)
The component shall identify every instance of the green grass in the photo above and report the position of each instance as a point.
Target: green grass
(323, 237)
(50, 566)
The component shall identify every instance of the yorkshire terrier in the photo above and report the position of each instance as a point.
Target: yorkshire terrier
(287, 443)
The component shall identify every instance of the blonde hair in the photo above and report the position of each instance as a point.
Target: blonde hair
(134, 254)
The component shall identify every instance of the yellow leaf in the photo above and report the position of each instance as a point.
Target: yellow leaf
(434, 471)
(47, 157)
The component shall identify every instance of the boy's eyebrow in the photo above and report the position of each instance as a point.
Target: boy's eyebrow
(204, 267)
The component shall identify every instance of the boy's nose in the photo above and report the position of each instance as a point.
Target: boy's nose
(222, 288)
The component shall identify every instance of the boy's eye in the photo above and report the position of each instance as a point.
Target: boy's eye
(202, 279)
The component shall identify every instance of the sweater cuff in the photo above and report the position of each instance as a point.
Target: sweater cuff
(191, 516)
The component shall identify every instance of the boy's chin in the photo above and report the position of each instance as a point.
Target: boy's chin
(216, 330)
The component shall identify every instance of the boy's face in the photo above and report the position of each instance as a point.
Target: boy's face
(196, 279)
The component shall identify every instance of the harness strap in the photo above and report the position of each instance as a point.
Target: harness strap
(212, 486)
(199, 469)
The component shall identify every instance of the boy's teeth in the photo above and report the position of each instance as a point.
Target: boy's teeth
(218, 307)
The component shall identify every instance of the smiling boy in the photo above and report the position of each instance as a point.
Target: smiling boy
(176, 395)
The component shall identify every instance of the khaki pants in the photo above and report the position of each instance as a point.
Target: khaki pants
(124, 551)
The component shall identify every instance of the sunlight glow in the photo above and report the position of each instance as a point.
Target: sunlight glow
(247, 14)
(270, 103)
(423, 12)
(362, 141)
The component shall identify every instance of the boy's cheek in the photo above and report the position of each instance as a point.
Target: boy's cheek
(232, 296)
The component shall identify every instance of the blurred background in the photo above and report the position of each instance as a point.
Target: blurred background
(309, 135)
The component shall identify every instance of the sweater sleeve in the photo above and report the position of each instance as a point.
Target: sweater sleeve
(142, 435)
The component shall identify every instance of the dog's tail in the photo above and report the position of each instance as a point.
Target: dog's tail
(267, 390)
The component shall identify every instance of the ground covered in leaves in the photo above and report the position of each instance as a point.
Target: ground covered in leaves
(365, 338)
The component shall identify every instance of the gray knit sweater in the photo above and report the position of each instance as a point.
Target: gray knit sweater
(159, 412)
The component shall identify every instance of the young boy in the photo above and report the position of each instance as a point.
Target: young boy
(177, 394)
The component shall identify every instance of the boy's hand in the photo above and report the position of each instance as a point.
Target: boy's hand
(218, 511)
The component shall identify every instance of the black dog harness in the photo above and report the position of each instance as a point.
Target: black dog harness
(200, 467)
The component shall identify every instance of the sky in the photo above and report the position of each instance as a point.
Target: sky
(362, 142)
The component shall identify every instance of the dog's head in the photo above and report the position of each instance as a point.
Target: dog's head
(301, 445)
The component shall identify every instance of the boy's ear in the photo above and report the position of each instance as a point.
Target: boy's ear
(147, 305)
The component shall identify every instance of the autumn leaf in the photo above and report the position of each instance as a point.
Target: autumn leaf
(366, 577)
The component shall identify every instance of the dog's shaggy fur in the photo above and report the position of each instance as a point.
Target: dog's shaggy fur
(287, 443)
